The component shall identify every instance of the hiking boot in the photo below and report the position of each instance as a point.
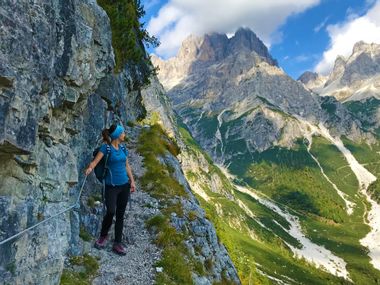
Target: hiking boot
(101, 242)
(119, 248)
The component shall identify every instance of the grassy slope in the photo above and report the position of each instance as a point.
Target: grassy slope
(267, 252)
(343, 238)
(277, 170)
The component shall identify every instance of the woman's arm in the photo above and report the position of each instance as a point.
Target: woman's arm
(93, 163)
(129, 171)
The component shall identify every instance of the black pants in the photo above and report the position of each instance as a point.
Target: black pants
(116, 199)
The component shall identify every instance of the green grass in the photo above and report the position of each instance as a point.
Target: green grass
(369, 157)
(175, 255)
(92, 199)
(343, 235)
(274, 258)
(158, 181)
(84, 235)
(335, 166)
(89, 270)
(292, 177)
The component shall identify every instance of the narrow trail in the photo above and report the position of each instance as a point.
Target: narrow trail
(137, 267)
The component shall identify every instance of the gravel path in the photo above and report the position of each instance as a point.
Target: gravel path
(137, 267)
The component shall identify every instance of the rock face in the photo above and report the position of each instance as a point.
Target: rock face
(57, 92)
(231, 93)
(159, 107)
(203, 243)
(53, 57)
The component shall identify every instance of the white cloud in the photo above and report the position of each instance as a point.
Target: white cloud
(343, 36)
(179, 18)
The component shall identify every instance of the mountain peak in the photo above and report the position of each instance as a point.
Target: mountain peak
(244, 49)
(246, 39)
(245, 32)
(308, 76)
(216, 46)
(213, 47)
(362, 46)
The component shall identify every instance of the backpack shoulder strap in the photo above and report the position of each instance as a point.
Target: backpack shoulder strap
(108, 148)
(124, 149)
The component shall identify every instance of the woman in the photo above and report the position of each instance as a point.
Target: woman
(119, 182)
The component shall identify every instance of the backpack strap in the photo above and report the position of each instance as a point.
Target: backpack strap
(124, 149)
(108, 148)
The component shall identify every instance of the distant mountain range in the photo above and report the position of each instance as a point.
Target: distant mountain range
(352, 79)
(355, 81)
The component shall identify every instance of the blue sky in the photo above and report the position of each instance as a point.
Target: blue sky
(302, 34)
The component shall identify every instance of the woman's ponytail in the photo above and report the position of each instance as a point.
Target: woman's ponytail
(106, 134)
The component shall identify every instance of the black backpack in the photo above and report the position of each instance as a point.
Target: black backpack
(101, 168)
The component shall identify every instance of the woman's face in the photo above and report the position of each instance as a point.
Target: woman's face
(122, 136)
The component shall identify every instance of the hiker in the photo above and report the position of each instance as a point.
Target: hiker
(119, 183)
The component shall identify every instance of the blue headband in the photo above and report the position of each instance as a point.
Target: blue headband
(117, 132)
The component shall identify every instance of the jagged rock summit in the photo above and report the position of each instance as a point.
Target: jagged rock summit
(312, 80)
(201, 51)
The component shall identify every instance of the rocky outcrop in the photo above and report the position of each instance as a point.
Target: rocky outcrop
(203, 242)
(158, 107)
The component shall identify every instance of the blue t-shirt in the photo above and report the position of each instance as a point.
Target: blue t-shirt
(116, 164)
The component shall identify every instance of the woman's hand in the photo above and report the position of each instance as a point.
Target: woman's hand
(88, 170)
(133, 186)
(93, 163)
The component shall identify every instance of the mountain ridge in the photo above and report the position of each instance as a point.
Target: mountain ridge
(206, 50)
(354, 78)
